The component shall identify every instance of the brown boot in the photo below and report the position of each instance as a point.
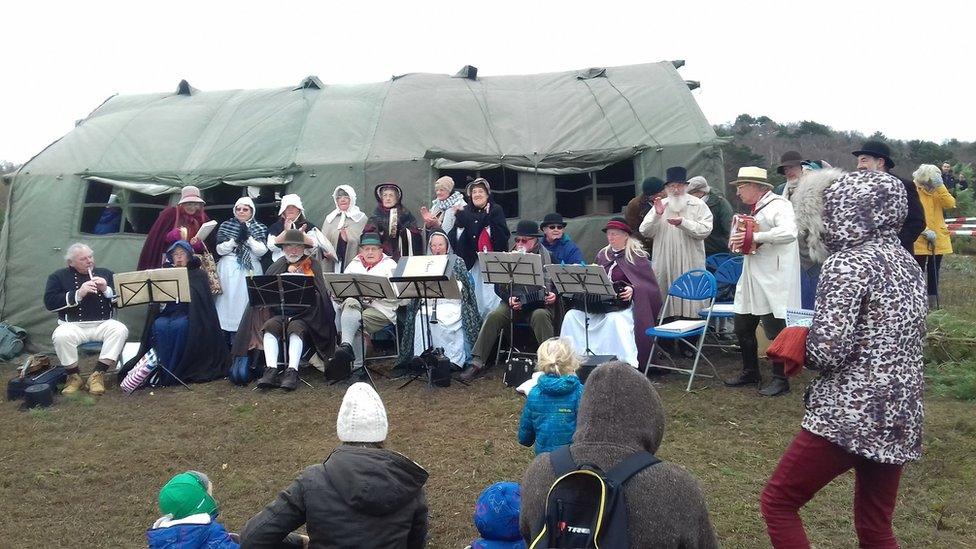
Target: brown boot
(96, 383)
(473, 371)
(73, 384)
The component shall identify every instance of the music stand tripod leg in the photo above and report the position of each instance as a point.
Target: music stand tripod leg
(174, 376)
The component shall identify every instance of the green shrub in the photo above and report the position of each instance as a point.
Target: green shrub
(950, 356)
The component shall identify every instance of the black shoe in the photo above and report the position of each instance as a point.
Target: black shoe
(289, 379)
(743, 379)
(470, 373)
(270, 379)
(778, 386)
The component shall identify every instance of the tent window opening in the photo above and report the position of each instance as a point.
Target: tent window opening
(603, 192)
(504, 186)
(221, 198)
(108, 210)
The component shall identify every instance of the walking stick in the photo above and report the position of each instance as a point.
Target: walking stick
(935, 275)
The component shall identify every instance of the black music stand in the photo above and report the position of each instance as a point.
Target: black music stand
(424, 278)
(507, 269)
(282, 291)
(582, 280)
(361, 287)
(168, 285)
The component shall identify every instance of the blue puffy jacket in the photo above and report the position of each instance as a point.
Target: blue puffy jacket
(189, 533)
(563, 251)
(549, 416)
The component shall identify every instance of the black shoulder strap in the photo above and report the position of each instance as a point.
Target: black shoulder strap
(562, 461)
(630, 467)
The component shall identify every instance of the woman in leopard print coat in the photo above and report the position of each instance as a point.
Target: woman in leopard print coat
(864, 411)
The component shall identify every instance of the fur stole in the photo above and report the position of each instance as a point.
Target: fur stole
(808, 204)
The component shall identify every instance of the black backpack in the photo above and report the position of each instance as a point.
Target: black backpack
(585, 507)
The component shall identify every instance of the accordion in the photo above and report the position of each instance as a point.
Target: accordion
(744, 225)
(598, 304)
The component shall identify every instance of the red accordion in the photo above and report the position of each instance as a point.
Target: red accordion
(746, 226)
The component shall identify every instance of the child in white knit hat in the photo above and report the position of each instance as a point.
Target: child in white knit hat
(363, 495)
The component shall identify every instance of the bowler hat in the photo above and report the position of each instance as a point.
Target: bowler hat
(752, 174)
(552, 219)
(877, 149)
(789, 158)
(294, 237)
(676, 174)
(652, 185)
(527, 227)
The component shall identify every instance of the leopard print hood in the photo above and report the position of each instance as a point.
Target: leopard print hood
(861, 207)
(808, 203)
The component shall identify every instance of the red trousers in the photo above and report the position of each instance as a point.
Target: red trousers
(808, 465)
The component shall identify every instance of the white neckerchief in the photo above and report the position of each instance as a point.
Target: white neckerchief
(352, 212)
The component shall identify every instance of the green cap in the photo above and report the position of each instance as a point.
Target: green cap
(185, 495)
(370, 239)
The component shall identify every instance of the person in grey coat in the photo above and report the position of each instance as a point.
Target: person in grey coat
(620, 414)
(363, 496)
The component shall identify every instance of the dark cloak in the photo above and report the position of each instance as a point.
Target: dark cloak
(407, 236)
(155, 245)
(647, 297)
(205, 356)
(472, 220)
(320, 318)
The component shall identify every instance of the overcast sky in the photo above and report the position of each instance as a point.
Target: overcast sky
(905, 69)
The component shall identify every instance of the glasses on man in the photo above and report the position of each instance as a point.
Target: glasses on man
(523, 240)
(554, 227)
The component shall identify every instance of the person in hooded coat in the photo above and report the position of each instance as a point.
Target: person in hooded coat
(362, 496)
(342, 229)
(458, 321)
(480, 227)
(496, 516)
(186, 336)
(189, 518)
(620, 332)
(549, 416)
(180, 222)
(864, 411)
(291, 215)
(241, 242)
(394, 223)
(620, 414)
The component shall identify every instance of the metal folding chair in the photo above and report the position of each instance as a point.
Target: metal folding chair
(695, 285)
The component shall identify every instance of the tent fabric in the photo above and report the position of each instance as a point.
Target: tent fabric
(322, 135)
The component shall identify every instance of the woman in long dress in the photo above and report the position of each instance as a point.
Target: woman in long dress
(342, 229)
(620, 330)
(180, 222)
(480, 227)
(394, 223)
(240, 243)
(458, 320)
(291, 215)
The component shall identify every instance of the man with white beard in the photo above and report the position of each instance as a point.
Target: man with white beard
(679, 225)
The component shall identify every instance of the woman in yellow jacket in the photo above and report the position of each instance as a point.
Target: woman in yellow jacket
(934, 242)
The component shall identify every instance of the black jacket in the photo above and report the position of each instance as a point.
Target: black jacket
(59, 296)
(472, 221)
(914, 221)
(359, 498)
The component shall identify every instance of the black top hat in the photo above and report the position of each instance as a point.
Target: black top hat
(652, 185)
(528, 227)
(877, 149)
(676, 174)
(789, 158)
(552, 219)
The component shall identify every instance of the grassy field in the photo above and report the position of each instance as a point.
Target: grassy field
(86, 472)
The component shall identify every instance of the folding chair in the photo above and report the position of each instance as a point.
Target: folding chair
(390, 332)
(727, 276)
(695, 285)
(714, 261)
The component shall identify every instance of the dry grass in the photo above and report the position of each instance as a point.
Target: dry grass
(95, 465)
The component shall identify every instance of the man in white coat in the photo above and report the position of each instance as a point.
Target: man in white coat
(770, 281)
(679, 225)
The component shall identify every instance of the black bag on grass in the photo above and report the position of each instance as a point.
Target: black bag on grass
(586, 507)
(518, 370)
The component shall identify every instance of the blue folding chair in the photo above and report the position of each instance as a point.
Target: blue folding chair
(714, 261)
(727, 276)
(696, 285)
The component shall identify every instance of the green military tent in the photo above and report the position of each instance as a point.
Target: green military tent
(578, 142)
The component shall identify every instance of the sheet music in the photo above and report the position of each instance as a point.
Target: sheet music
(169, 285)
(206, 229)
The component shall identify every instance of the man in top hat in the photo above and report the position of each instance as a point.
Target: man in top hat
(679, 225)
(523, 300)
(875, 156)
(770, 281)
(375, 314)
(791, 167)
(718, 241)
(562, 250)
(82, 296)
(637, 208)
(294, 324)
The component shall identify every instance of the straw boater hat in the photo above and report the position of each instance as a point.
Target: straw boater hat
(190, 194)
(752, 174)
(789, 158)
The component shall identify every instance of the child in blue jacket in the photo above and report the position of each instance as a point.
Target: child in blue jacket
(549, 416)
